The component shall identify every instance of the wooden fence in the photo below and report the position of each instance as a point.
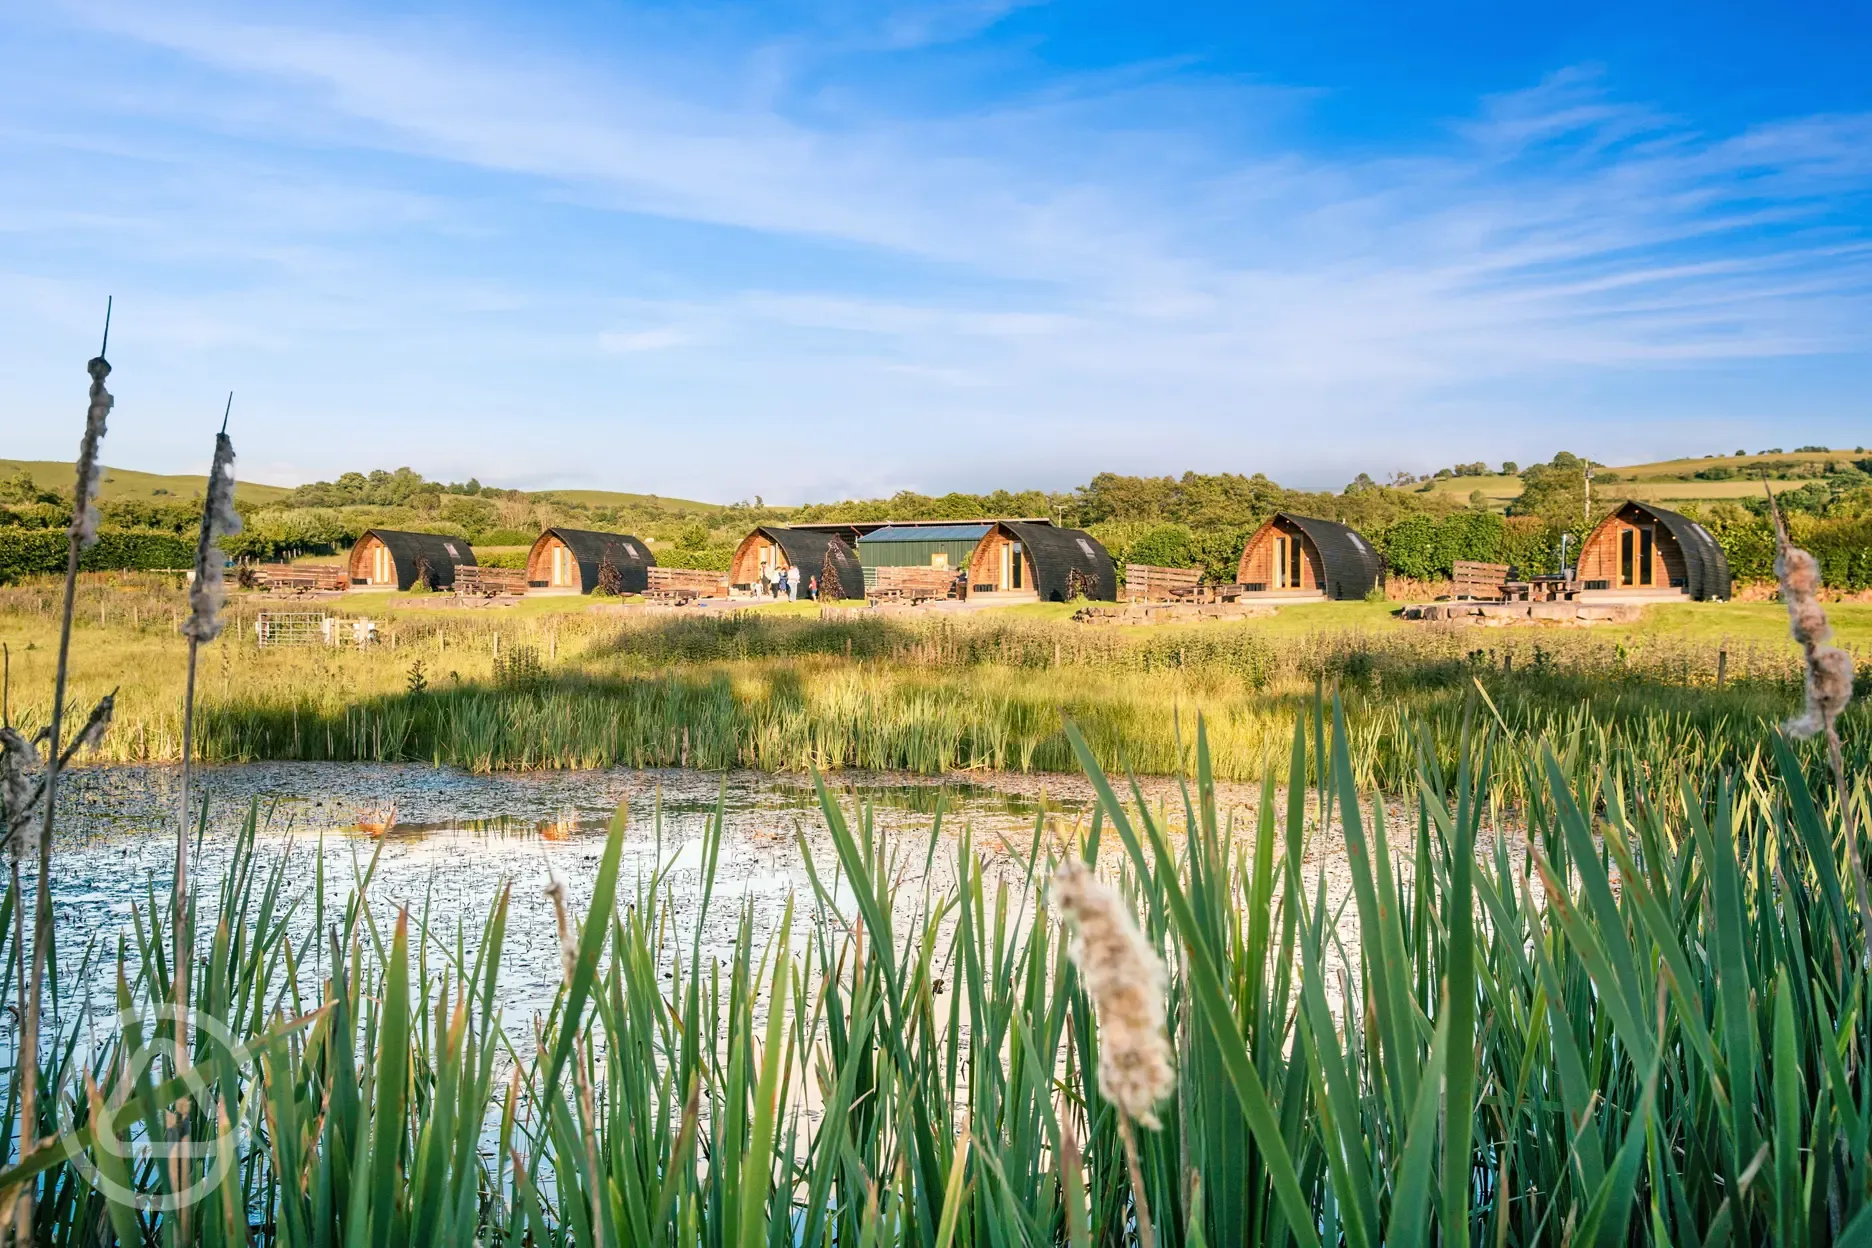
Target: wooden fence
(913, 584)
(1145, 583)
(685, 584)
(489, 582)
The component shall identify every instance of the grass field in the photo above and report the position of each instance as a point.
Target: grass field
(124, 483)
(1500, 490)
(551, 683)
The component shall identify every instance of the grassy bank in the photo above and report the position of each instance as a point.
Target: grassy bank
(1540, 1053)
(788, 690)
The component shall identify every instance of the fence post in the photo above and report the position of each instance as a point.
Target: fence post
(1722, 664)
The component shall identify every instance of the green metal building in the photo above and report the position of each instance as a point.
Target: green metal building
(919, 546)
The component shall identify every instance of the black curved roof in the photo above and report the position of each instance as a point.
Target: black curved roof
(1706, 568)
(589, 548)
(444, 553)
(1351, 565)
(1057, 553)
(809, 549)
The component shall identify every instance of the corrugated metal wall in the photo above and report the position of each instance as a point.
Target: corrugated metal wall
(913, 554)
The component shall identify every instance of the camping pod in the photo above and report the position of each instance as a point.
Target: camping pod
(1304, 557)
(572, 561)
(1645, 551)
(389, 559)
(1019, 560)
(814, 552)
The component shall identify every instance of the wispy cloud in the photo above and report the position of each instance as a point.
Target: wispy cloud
(1141, 268)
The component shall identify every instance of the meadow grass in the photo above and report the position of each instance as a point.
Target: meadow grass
(782, 689)
(1647, 1027)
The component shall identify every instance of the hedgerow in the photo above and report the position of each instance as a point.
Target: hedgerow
(36, 552)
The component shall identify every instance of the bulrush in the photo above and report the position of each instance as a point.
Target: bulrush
(84, 525)
(1127, 982)
(568, 943)
(208, 591)
(1829, 668)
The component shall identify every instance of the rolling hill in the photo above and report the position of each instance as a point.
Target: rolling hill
(57, 475)
(1674, 480)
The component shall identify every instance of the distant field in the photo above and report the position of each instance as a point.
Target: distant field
(1670, 480)
(124, 483)
(612, 498)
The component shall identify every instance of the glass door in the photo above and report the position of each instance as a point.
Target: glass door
(382, 571)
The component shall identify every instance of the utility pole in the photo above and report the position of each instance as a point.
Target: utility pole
(1586, 516)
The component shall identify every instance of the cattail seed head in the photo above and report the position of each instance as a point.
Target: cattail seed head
(92, 735)
(19, 758)
(84, 525)
(208, 592)
(1829, 669)
(1127, 982)
(568, 943)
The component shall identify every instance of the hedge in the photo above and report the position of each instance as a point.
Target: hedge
(38, 552)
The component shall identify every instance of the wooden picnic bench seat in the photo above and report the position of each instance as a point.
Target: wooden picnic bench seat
(685, 584)
(1486, 581)
(302, 577)
(474, 580)
(1146, 583)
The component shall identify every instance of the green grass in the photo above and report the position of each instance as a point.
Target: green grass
(123, 483)
(1643, 1023)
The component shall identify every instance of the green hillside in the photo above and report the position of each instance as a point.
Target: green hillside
(124, 483)
(633, 502)
(1710, 479)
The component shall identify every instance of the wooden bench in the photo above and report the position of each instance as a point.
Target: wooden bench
(477, 581)
(685, 584)
(303, 577)
(1145, 583)
(1485, 581)
(912, 584)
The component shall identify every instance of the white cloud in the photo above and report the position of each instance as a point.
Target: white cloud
(1113, 269)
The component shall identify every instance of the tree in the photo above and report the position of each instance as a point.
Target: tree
(1509, 468)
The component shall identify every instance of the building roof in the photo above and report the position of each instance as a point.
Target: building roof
(1350, 566)
(1057, 553)
(1706, 568)
(929, 533)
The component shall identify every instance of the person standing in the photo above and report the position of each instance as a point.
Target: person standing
(780, 586)
(812, 589)
(766, 581)
(792, 582)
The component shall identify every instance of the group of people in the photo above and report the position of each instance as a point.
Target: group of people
(785, 583)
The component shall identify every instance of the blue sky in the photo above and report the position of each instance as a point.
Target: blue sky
(810, 250)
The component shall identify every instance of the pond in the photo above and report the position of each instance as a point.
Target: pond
(456, 839)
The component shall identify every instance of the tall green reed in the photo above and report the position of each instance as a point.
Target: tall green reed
(1638, 1017)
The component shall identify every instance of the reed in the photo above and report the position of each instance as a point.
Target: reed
(1644, 1028)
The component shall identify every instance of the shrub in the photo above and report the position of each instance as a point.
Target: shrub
(38, 552)
(1165, 546)
(507, 537)
(501, 558)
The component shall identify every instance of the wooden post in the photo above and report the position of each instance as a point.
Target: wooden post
(1722, 664)
(1507, 664)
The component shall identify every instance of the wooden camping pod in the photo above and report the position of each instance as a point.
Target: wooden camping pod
(1645, 550)
(572, 561)
(1305, 557)
(774, 546)
(1019, 558)
(389, 559)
